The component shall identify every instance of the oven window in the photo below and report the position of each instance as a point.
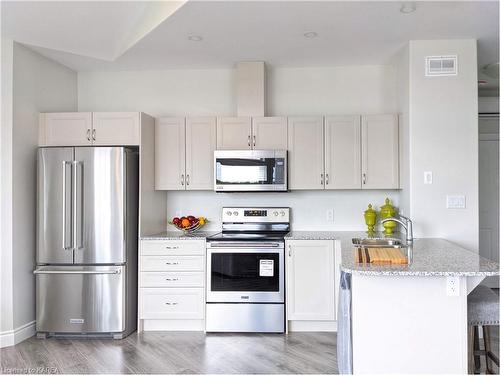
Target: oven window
(249, 272)
(250, 171)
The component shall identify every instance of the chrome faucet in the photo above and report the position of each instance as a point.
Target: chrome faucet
(406, 223)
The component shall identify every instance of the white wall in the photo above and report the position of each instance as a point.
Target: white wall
(6, 313)
(332, 90)
(158, 93)
(444, 139)
(290, 91)
(402, 66)
(309, 208)
(39, 85)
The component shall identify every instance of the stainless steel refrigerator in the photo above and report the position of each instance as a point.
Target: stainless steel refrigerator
(86, 274)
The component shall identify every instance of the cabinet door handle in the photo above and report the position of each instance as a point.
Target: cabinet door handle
(88, 135)
(187, 179)
(172, 263)
(289, 251)
(322, 179)
(364, 178)
(171, 247)
(182, 179)
(249, 141)
(327, 178)
(93, 134)
(175, 279)
(254, 141)
(171, 303)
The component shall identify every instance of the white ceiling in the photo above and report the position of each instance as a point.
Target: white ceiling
(131, 35)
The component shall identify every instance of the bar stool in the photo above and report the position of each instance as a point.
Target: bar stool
(482, 311)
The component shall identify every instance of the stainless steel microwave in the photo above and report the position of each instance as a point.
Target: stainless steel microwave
(250, 170)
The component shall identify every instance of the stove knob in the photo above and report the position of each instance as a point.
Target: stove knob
(275, 213)
(235, 213)
(229, 213)
(282, 213)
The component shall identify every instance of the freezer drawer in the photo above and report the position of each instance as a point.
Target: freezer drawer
(80, 299)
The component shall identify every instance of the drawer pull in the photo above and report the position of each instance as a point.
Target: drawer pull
(172, 263)
(171, 303)
(172, 247)
(175, 279)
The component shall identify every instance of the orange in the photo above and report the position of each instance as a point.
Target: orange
(185, 223)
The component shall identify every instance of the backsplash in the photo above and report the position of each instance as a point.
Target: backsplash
(308, 208)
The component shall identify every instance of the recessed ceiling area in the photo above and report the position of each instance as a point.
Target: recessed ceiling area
(101, 36)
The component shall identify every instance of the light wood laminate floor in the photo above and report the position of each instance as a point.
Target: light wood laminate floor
(178, 352)
(182, 352)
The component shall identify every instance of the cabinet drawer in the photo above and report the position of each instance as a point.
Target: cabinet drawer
(172, 303)
(167, 247)
(172, 263)
(172, 279)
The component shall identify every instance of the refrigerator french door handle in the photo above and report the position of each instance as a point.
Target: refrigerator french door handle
(77, 214)
(111, 272)
(64, 218)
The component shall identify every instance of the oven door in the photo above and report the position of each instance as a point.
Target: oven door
(245, 272)
(250, 170)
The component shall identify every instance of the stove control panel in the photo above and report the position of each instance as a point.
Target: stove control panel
(256, 214)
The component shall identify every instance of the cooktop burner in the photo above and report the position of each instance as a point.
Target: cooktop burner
(248, 236)
(253, 224)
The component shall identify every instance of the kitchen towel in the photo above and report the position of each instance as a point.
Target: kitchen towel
(344, 340)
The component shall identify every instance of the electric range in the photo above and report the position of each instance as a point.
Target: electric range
(246, 271)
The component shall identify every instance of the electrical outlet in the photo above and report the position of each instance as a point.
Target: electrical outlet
(452, 286)
(329, 215)
(455, 201)
(428, 177)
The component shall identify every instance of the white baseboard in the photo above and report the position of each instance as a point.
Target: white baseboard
(312, 326)
(15, 336)
(173, 325)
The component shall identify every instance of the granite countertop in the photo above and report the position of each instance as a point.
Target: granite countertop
(311, 235)
(178, 235)
(431, 257)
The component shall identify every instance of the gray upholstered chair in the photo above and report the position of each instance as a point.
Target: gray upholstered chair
(482, 311)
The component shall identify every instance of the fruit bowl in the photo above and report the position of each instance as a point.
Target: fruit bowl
(188, 224)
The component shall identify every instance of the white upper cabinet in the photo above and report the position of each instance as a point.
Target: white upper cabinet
(311, 280)
(305, 153)
(201, 143)
(170, 153)
(269, 133)
(65, 129)
(116, 128)
(234, 133)
(342, 152)
(380, 151)
(90, 129)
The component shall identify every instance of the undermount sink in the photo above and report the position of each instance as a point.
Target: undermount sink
(377, 242)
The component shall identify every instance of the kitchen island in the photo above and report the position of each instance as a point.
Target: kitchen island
(412, 318)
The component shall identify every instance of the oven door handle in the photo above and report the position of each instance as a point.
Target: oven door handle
(243, 244)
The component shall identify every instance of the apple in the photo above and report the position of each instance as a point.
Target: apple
(176, 220)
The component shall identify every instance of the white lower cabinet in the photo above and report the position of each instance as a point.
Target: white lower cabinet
(172, 285)
(311, 284)
(172, 303)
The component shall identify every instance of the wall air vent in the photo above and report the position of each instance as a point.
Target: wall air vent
(441, 66)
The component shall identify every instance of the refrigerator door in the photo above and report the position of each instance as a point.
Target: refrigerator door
(80, 299)
(99, 221)
(54, 223)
